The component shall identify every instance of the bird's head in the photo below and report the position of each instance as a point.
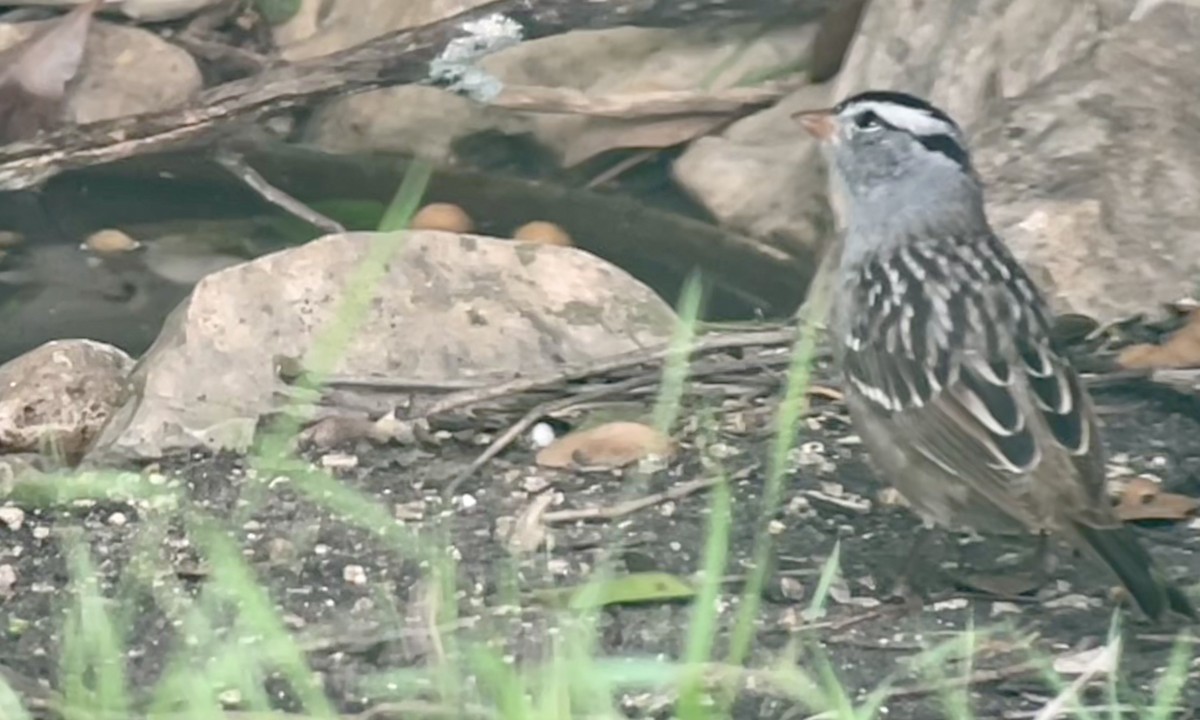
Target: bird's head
(877, 138)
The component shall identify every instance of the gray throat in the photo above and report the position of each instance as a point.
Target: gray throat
(882, 216)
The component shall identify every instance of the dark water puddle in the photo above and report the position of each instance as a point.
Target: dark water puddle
(49, 288)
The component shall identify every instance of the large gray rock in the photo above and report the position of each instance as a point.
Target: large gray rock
(125, 71)
(763, 175)
(447, 307)
(601, 62)
(968, 55)
(1094, 175)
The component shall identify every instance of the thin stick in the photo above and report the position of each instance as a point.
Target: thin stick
(723, 341)
(612, 512)
(236, 164)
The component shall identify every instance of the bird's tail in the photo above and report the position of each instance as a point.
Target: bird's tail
(1119, 548)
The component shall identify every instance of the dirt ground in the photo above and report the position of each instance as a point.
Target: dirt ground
(353, 623)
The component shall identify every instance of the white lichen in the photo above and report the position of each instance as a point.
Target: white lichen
(455, 70)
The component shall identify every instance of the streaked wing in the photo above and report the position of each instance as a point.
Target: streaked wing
(950, 341)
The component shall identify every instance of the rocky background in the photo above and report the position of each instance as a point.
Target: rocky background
(157, 306)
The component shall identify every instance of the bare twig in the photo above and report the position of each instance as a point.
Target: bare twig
(630, 385)
(611, 512)
(236, 164)
(396, 58)
(711, 343)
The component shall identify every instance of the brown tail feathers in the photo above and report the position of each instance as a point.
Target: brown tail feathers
(1119, 548)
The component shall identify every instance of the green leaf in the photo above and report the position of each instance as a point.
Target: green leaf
(620, 590)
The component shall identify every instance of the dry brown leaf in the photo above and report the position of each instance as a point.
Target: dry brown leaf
(611, 445)
(1143, 499)
(34, 74)
(1181, 350)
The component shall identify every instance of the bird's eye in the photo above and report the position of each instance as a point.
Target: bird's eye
(868, 121)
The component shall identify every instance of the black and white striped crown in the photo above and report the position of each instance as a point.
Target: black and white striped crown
(931, 126)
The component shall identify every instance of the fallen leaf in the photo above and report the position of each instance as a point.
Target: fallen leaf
(1143, 499)
(1181, 350)
(621, 590)
(611, 445)
(35, 74)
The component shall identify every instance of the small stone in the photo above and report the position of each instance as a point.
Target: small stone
(354, 574)
(951, 604)
(543, 233)
(541, 435)
(280, 550)
(791, 588)
(414, 510)
(41, 532)
(117, 519)
(535, 484)
(339, 461)
(13, 517)
(443, 216)
(230, 698)
(8, 579)
(1004, 608)
(776, 527)
(109, 242)
(467, 501)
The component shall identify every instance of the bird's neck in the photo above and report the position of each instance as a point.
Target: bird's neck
(883, 217)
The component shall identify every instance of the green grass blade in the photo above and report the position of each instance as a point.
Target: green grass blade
(795, 403)
(10, 705)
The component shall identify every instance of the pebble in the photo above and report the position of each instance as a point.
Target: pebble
(544, 233)
(354, 574)
(443, 216)
(109, 241)
(13, 517)
(8, 578)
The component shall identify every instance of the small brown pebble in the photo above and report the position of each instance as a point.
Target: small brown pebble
(546, 233)
(442, 216)
(110, 241)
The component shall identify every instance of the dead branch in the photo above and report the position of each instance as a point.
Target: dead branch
(392, 59)
(237, 165)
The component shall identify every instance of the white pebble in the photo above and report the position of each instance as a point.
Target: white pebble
(13, 517)
(541, 435)
(354, 574)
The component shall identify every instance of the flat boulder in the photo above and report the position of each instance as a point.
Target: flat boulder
(446, 307)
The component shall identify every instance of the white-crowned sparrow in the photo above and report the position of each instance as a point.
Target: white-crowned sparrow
(952, 379)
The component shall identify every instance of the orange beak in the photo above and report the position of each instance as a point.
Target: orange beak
(821, 124)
